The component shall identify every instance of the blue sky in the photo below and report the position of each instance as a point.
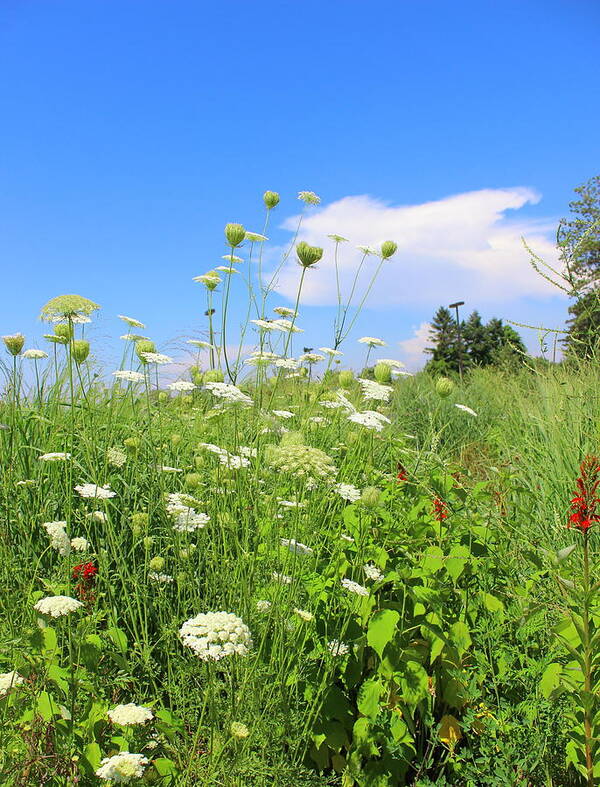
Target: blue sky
(134, 130)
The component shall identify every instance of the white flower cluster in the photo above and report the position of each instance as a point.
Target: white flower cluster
(186, 518)
(370, 419)
(304, 615)
(80, 544)
(130, 714)
(181, 386)
(228, 392)
(129, 376)
(283, 413)
(337, 648)
(215, 635)
(283, 579)
(159, 578)
(372, 341)
(54, 457)
(157, 358)
(116, 457)
(231, 461)
(122, 768)
(59, 539)
(8, 680)
(35, 355)
(354, 587)
(347, 492)
(93, 490)
(57, 606)
(374, 390)
(263, 605)
(466, 409)
(296, 547)
(372, 572)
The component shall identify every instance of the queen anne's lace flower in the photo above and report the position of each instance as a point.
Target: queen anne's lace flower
(214, 635)
(122, 768)
(284, 311)
(300, 460)
(54, 457)
(57, 606)
(304, 615)
(283, 579)
(465, 409)
(131, 321)
(372, 341)
(228, 392)
(372, 572)
(8, 681)
(130, 714)
(354, 587)
(309, 197)
(263, 605)
(337, 648)
(374, 390)
(286, 326)
(186, 518)
(159, 578)
(116, 457)
(35, 355)
(93, 490)
(157, 358)
(59, 539)
(80, 544)
(347, 492)
(181, 385)
(370, 419)
(283, 413)
(129, 375)
(296, 547)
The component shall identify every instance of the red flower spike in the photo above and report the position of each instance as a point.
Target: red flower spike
(440, 510)
(585, 506)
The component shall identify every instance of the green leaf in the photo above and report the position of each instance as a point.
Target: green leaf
(551, 679)
(118, 637)
(461, 637)
(433, 560)
(382, 628)
(563, 554)
(457, 560)
(93, 756)
(368, 698)
(414, 682)
(492, 604)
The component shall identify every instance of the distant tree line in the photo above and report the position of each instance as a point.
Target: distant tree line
(479, 344)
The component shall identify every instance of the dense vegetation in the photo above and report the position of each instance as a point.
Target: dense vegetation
(302, 577)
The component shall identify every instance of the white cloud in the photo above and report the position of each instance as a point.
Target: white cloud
(464, 246)
(411, 350)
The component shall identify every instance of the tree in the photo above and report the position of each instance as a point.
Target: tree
(445, 352)
(579, 242)
(476, 341)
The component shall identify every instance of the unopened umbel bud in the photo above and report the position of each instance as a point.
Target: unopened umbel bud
(346, 378)
(14, 343)
(444, 387)
(383, 373)
(308, 255)
(388, 248)
(371, 497)
(144, 346)
(271, 199)
(213, 376)
(64, 330)
(81, 350)
(235, 234)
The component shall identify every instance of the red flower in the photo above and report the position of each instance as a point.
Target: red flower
(402, 473)
(585, 506)
(440, 511)
(85, 573)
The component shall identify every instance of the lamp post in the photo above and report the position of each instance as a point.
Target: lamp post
(459, 342)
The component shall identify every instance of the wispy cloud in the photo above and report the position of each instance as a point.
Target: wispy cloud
(467, 245)
(412, 350)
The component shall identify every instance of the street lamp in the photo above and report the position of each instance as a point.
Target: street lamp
(460, 358)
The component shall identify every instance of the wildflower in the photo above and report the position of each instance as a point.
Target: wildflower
(158, 358)
(372, 341)
(130, 321)
(283, 579)
(239, 730)
(285, 311)
(211, 279)
(35, 355)
(304, 615)
(337, 648)
(203, 345)
(338, 238)
(225, 269)
(230, 393)
(296, 547)
(215, 635)
(271, 199)
(85, 571)
(311, 358)
(308, 255)
(465, 409)
(14, 343)
(347, 492)
(256, 237)
(286, 326)
(129, 376)
(391, 362)
(161, 579)
(302, 461)
(444, 387)
(372, 572)
(347, 538)
(98, 516)
(95, 491)
(402, 474)
(233, 462)
(330, 351)
(57, 606)
(68, 307)
(388, 249)
(130, 714)
(122, 768)
(370, 419)
(374, 390)
(263, 605)
(54, 457)
(440, 510)
(585, 506)
(85, 575)
(116, 457)
(283, 413)
(80, 544)
(59, 539)
(134, 337)
(181, 385)
(309, 197)
(371, 497)
(354, 587)
(366, 250)
(234, 234)
(8, 681)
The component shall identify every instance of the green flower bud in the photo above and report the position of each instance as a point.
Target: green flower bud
(81, 350)
(163, 397)
(235, 234)
(214, 376)
(182, 577)
(346, 378)
(156, 564)
(64, 330)
(383, 373)
(132, 444)
(185, 401)
(388, 249)
(139, 520)
(271, 199)
(371, 497)
(175, 439)
(196, 375)
(148, 542)
(444, 387)
(14, 343)
(239, 730)
(308, 255)
(303, 371)
(193, 480)
(144, 346)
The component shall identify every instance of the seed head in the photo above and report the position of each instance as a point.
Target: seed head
(14, 343)
(444, 387)
(68, 307)
(383, 373)
(388, 249)
(81, 350)
(271, 199)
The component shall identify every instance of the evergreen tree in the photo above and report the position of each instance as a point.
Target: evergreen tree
(579, 242)
(445, 350)
(476, 342)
